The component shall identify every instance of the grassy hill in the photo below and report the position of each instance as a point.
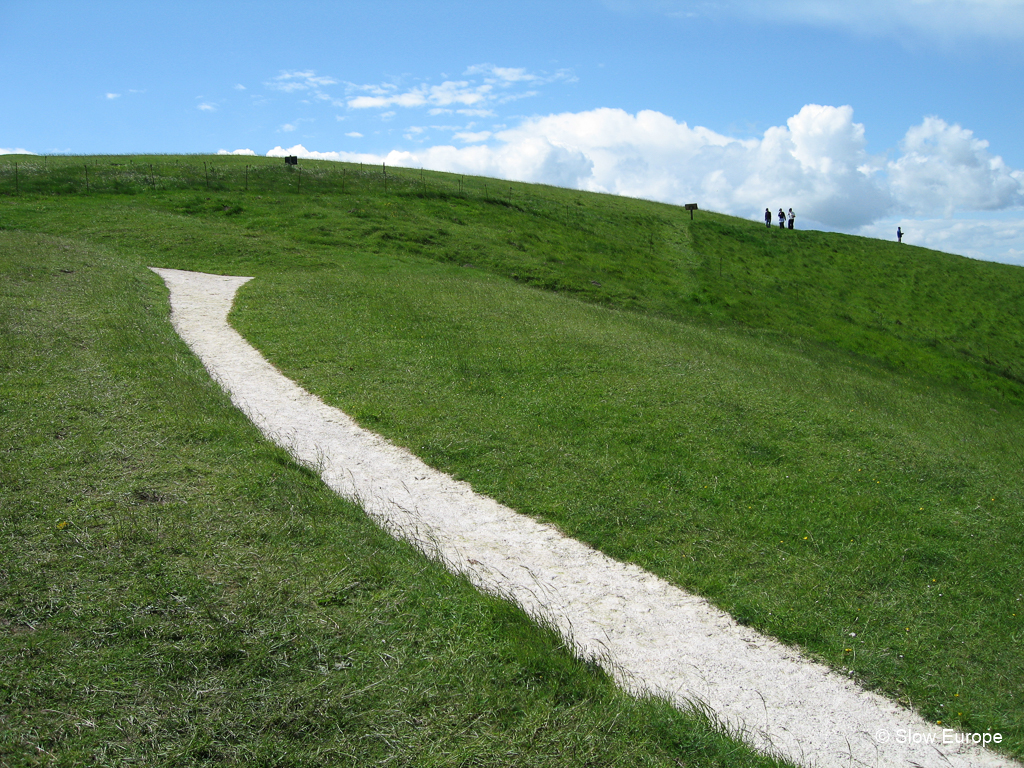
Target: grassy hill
(820, 433)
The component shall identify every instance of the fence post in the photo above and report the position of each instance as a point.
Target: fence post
(17, 189)
(384, 168)
(87, 177)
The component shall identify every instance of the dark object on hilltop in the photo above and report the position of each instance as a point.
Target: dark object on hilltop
(767, 217)
(899, 235)
(691, 207)
(291, 160)
(782, 219)
(791, 217)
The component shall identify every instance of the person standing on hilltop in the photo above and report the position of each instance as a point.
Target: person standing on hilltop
(791, 217)
(767, 217)
(782, 219)
(899, 235)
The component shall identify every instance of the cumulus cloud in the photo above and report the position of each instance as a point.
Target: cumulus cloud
(207, 107)
(18, 151)
(236, 152)
(535, 160)
(945, 168)
(113, 96)
(816, 163)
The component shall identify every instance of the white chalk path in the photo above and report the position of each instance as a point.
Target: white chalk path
(650, 635)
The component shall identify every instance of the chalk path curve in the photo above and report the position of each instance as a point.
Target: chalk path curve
(650, 635)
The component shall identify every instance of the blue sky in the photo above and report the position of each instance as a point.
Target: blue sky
(862, 116)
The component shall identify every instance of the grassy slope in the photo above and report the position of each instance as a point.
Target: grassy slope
(817, 431)
(919, 311)
(175, 591)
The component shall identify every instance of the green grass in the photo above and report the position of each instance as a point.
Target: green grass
(809, 495)
(176, 591)
(818, 432)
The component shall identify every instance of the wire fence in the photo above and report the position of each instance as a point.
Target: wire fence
(70, 175)
(140, 175)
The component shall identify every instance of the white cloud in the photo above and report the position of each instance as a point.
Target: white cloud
(113, 96)
(302, 80)
(207, 107)
(506, 74)
(354, 134)
(443, 95)
(988, 239)
(471, 137)
(288, 127)
(349, 157)
(816, 163)
(18, 151)
(484, 85)
(944, 20)
(532, 160)
(943, 168)
(236, 152)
